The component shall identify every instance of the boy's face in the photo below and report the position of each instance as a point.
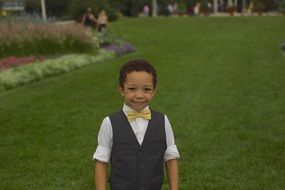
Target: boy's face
(138, 90)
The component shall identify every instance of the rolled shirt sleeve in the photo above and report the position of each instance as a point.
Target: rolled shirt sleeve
(171, 150)
(105, 136)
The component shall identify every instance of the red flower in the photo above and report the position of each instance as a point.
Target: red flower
(13, 61)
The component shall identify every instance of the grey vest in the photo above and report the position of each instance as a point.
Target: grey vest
(135, 166)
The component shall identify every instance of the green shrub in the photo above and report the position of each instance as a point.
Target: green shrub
(259, 6)
(108, 38)
(23, 38)
(281, 6)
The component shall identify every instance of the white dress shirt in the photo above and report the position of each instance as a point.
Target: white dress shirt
(139, 126)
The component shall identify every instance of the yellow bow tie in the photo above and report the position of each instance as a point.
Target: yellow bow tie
(145, 114)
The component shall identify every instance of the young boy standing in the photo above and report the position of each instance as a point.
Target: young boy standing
(136, 140)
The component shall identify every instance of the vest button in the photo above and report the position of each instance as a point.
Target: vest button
(142, 166)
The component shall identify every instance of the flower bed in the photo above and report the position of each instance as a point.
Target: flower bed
(112, 42)
(120, 50)
(17, 76)
(17, 70)
(14, 61)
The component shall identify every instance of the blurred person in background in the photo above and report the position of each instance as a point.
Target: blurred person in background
(102, 21)
(146, 10)
(88, 19)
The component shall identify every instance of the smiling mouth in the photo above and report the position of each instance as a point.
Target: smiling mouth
(139, 102)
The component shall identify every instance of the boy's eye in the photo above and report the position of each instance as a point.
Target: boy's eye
(131, 88)
(147, 89)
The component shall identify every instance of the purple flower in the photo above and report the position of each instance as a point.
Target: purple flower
(120, 50)
(128, 48)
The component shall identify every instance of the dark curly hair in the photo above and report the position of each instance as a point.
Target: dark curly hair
(136, 65)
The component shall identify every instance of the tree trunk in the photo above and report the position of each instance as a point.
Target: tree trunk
(154, 8)
(44, 13)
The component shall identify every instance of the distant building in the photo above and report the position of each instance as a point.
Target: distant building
(11, 7)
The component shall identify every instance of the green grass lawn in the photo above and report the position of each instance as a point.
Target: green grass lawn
(221, 81)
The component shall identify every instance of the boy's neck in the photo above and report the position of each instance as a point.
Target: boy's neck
(128, 108)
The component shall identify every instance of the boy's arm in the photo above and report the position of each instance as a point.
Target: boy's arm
(100, 175)
(172, 173)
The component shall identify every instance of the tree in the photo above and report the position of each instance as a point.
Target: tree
(53, 7)
(33, 6)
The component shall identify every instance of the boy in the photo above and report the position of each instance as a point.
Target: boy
(136, 140)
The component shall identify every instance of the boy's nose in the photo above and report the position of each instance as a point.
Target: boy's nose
(139, 94)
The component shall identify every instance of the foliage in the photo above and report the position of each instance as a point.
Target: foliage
(112, 42)
(73, 8)
(182, 8)
(33, 6)
(204, 6)
(54, 7)
(259, 6)
(57, 8)
(25, 17)
(108, 37)
(33, 72)
(132, 8)
(281, 6)
(21, 39)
